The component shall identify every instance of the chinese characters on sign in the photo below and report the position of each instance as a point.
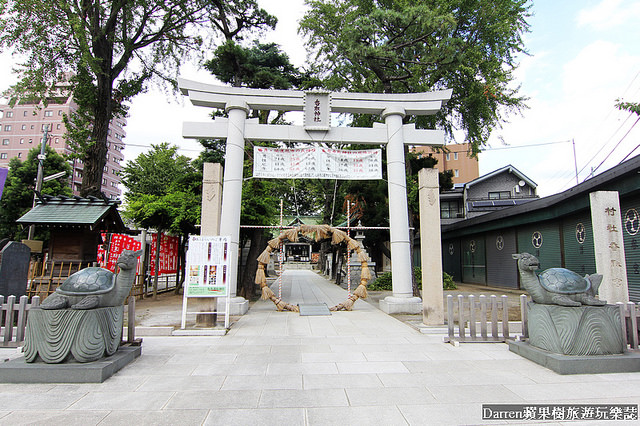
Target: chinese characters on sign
(616, 268)
(207, 266)
(317, 111)
(317, 163)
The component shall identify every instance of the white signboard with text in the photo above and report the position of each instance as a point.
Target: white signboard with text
(207, 271)
(317, 163)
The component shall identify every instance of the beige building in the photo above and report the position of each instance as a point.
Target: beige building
(454, 157)
(22, 127)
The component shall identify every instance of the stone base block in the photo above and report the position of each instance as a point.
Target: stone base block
(576, 330)
(401, 305)
(19, 371)
(628, 362)
(237, 306)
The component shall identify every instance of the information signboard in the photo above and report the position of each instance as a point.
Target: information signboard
(317, 163)
(207, 272)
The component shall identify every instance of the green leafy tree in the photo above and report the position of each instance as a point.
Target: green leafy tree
(17, 197)
(395, 46)
(632, 107)
(113, 48)
(164, 192)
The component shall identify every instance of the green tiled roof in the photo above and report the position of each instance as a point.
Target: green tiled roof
(61, 211)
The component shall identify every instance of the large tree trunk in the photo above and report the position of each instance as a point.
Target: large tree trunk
(95, 157)
(247, 283)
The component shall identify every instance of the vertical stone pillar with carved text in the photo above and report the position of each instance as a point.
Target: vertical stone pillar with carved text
(430, 247)
(609, 246)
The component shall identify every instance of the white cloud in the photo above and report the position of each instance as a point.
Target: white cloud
(608, 14)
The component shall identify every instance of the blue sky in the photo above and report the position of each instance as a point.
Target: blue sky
(584, 55)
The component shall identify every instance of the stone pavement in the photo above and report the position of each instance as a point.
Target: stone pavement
(278, 368)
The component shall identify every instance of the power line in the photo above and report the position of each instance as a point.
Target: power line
(525, 146)
(615, 147)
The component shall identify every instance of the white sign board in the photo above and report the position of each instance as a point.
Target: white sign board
(207, 272)
(207, 266)
(317, 163)
(317, 110)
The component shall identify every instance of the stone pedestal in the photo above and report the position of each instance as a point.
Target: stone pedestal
(86, 335)
(581, 330)
(237, 305)
(401, 305)
(430, 247)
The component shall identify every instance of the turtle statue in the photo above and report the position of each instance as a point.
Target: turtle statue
(96, 287)
(557, 286)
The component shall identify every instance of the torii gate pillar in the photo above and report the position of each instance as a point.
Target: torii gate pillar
(232, 198)
(402, 300)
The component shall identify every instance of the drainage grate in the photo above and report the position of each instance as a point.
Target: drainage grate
(314, 309)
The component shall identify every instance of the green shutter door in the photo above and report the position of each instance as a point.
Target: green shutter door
(631, 224)
(473, 260)
(502, 269)
(579, 251)
(451, 259)
(543, 241)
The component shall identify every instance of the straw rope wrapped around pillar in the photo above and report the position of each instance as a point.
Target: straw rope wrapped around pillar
(321, 232)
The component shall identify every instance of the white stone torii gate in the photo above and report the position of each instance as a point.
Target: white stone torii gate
(237, 102)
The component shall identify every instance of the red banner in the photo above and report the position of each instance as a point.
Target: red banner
(168, 254)
(117, 243)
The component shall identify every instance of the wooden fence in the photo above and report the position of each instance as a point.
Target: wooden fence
(8, 310)
(629, 314)
(482, 309)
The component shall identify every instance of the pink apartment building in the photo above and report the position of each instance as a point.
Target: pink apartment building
(22, 127)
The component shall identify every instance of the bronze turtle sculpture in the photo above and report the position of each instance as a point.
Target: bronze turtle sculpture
(557, 286)
(96, 287)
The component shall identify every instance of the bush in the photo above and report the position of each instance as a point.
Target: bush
(384, 282)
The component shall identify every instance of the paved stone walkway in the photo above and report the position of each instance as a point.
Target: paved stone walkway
(278, 368)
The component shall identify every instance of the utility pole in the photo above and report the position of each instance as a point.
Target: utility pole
(39, 176)
(575, 161)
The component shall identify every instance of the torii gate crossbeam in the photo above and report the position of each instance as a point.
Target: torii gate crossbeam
(237, 102)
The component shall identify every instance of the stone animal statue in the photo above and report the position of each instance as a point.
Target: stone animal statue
(557, 286)
(96, 287)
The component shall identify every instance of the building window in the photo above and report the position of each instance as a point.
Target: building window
(447, 156)
(114, 184)
(24, 113)
(59, 112)
(106, 169)
(30, 140)
(456, 173)
(5, 141)
(58, 126)
(7, 128)
(21, 141)
(499, 195)
(24, 127)
(57, 140)
(3, 155)
(455, 155)
(48, 113)
(450, 209)
(32, 127)
(104, 181)
(19, 155)
(9, 114)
